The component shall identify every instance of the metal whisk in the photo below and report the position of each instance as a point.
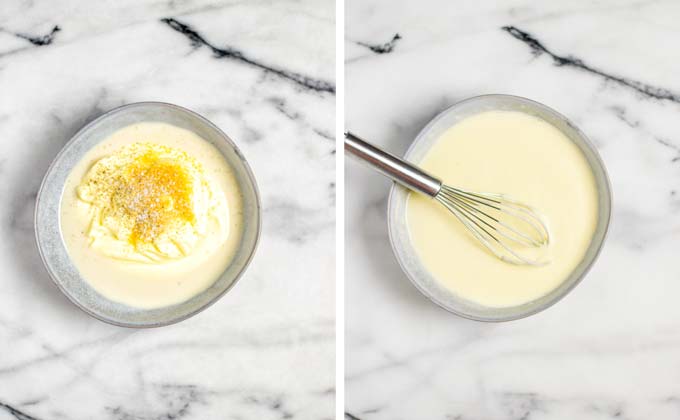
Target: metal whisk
(510, 230)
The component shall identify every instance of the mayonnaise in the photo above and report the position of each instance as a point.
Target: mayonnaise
(151, 216)
(527, 159)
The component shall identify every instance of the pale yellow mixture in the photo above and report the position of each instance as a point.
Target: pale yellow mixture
(525, 158)
(152, 215)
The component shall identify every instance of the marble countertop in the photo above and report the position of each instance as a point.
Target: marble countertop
(264, 72)
(611, 348)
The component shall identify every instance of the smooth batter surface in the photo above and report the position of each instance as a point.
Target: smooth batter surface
(137, 263)
(525, 158)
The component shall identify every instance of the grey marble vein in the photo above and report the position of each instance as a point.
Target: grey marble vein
(282, 106)
(622, 115)
(537, 48)
(293, 222)
(197, 40)
(177, 402)
(384, 48)
(16, 413)
(40, 40)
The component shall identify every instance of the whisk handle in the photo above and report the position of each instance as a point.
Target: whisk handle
(391, 166)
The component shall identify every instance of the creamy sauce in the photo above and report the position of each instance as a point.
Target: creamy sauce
(522, 157)
(138, 264)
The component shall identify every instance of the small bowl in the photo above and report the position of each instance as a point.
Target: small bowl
(48, 227)
(398, 228)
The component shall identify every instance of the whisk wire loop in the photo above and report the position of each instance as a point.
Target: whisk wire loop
(510, 230)
(497, 222)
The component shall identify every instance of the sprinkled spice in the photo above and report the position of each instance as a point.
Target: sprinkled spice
(146, 188)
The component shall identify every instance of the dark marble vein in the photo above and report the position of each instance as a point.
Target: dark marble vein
(281, 105)
(248, 133)
(273, 403)
(178, 400)
(295, 223)
(331, 192)
(34, 401)
(37, 40)
(537, 48)
(197, 41)
(613, 410)
(623, 116)
(521, 405)
(17, 414)
(323, 134)
(384, 48)
(40, 40)
(349, 416)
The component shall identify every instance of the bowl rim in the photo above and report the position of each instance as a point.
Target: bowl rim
(57, 160)
(605, 221)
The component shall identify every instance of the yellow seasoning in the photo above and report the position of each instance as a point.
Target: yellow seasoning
(148, 202)
(152, 215)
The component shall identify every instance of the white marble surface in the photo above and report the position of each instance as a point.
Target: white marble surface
(266, 350)
(610, 349)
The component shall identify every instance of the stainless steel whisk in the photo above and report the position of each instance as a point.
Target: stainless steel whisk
(507, 228)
